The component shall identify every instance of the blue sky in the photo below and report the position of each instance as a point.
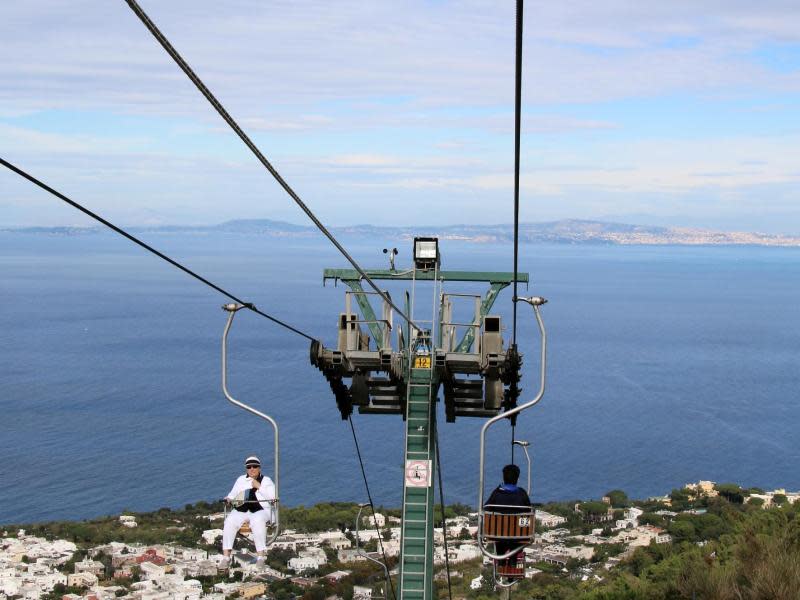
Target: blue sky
(678, 113)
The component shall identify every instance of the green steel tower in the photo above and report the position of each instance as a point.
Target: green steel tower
(468, 360)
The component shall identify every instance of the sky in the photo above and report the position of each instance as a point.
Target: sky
(665, 113)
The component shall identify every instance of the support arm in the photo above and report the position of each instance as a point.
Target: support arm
(536, 302)
(469, 337)
(366, 311)
(232, 310)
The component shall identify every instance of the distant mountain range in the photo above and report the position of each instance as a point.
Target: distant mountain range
(570, 231)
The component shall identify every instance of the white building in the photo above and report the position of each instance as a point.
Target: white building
(152, 571)
(309, 559)
(377, 521)
(83, 579)
(127, 520)
(210, 536)
(335, 539)
(548, 520)
(194, 554)
(464, 552)
(361, 592)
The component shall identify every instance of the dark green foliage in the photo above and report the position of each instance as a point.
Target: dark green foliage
(322, 517)
(278, 558)
(619, 499)
(594, 508)
(603, 552)
(649, 518)
(681, 499)
(731, 492)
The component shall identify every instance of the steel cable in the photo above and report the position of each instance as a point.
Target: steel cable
(441, 502)
(517, 128)
(369, 497)
(254, 149)
(149, 248)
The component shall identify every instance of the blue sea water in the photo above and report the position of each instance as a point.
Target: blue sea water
(666, 365)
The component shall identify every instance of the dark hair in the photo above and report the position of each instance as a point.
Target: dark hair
(511, 474)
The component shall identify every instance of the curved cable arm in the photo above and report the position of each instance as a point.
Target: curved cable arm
(367, 556)
(524, 445)
(232, 309)
(535, 302)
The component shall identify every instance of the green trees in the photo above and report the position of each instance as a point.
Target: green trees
(681, 499)
(321, 517)
(619, 499)
(603, 552)
(682, 530)
(649, 518)
(593, 508)
(732, 492)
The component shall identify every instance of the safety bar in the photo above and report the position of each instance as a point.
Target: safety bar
(505, 584)
(535, 302)
(232, 309)
(367, 556)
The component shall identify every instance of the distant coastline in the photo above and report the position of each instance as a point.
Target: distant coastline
(571, 231)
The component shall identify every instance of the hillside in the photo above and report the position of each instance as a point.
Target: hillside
(570, 231)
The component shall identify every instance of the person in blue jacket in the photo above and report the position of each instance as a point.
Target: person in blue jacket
(508, 498)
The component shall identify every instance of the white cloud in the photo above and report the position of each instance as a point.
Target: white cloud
(93, 54)
(324, 82)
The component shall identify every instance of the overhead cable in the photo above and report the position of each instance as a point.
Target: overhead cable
(149, 248)
(369, 497)
(441, 502)
(517, 127)
(254, 149)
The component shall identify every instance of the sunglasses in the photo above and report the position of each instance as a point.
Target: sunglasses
(253, 467)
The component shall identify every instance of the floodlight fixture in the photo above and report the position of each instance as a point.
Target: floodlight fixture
(426, 252)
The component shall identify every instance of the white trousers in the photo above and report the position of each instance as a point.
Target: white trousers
(258, 525)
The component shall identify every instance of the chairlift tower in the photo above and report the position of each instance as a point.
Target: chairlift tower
(478, 374)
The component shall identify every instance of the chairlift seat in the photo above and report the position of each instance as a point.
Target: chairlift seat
(512, 567)
(509, 523)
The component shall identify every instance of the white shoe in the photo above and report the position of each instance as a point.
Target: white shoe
(260, 562)
(225, 563)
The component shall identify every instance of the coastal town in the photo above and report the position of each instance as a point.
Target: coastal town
(584, 542)
(567, 231)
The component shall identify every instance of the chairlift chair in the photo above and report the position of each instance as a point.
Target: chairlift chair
(508, 524)
(245, 530)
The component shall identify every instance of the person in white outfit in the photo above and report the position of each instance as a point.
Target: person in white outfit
(251, 496)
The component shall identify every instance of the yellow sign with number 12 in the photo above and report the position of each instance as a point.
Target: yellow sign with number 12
(422, 362)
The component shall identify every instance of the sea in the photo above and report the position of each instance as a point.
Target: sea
(665, 365)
